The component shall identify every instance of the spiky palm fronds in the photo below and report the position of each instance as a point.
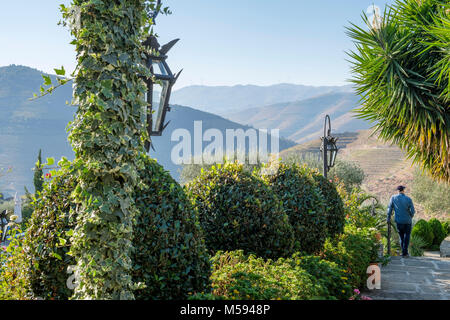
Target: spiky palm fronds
(401, 71)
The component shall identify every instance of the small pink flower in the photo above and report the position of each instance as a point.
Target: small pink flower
(366, 298)
(356, 291)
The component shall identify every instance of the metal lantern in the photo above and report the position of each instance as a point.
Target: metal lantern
(159, 87)
(329, 149)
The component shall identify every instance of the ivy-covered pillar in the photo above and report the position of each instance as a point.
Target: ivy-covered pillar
(107, 136)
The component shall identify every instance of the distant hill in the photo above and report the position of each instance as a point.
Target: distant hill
(303, 120)
(227, 99)
(27, 126)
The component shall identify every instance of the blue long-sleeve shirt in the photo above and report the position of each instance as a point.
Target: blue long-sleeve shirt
(403, 207)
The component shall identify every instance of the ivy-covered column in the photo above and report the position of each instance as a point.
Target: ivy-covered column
(106, 135)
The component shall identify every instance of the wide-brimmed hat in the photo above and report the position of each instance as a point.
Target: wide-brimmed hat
(401, 188)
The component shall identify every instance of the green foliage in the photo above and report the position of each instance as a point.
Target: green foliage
(191, 171)
(334, 207)
(169, 258)
(401, 70)
(327, 274)
(364, 210)
(238, 211)
(416, 246)
(38, 179)
(14, 267)
(353, 251)
(348, 173)
(423, 230)
(446, 227)
(304, 204)
(239, 277)
(107, 136)
(170, 255)
(47, 239)
(433, 196)
(439, 233)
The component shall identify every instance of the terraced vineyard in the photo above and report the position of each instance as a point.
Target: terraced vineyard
(309, 147)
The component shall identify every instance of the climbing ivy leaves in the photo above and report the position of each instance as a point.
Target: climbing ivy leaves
(107, 137)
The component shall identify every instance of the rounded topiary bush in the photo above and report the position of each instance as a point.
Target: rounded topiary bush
(334, 206)
(438, 231)
(47, 239)
(423, 230)
(170, 255)
(303, 203)
(238, 211)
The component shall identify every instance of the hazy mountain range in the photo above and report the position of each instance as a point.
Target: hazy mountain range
(303, 120)
(27, 126)
(224, 100)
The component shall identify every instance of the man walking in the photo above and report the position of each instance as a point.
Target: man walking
(404, 211)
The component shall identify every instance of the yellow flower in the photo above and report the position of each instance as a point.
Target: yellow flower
(235, 291)
(343, 291)
(344, 278)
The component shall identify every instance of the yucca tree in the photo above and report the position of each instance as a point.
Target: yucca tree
(401, 69)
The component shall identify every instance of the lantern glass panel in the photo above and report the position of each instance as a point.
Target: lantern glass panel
(158, 68)
(159, 103)
(332, 152)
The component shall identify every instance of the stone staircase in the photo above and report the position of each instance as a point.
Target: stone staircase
(414, 278)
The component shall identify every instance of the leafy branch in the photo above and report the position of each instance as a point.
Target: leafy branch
(49, 83)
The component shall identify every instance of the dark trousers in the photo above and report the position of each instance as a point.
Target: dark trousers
(404, 231)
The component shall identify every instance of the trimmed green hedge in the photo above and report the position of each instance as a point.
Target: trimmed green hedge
(304, 203)
(170, 255)
(238, 211)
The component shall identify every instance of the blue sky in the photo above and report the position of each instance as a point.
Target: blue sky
(228, 42)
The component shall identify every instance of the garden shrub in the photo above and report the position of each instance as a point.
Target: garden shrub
(47, 239)
(238, 211)
(353, 251)
(331, 277)
(241, 277)
(363, 210)
(423, 230)
(446, 227)
(14, 267)
(334, 207)
(170, 255)
(416, 246)
(304, 204)
(349, 173)
(438, 231)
